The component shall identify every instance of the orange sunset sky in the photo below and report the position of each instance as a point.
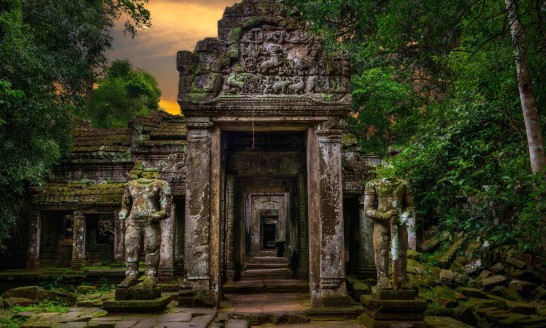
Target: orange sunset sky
(176, 25)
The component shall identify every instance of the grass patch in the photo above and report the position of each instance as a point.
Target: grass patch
(45, 306)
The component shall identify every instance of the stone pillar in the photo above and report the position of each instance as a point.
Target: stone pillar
(78, 241)
(230, 227)
(332, 254)
(366, 261)
(197, 234)
(34, 236)
(166, 251)
(119, 239)
(303, 269)
(215, 249)
(313, 210)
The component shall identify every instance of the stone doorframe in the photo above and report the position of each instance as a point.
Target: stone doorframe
(324, 206)
(257, 202)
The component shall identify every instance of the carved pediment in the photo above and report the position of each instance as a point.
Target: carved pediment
(263, 53)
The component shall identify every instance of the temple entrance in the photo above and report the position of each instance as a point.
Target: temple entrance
(265, 194)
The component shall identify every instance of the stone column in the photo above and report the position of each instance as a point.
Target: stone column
(119, 238)
(332, 254)
(230, 227)
(197, 234)
(215, 248)
(34, 236)
(303, 269)
(366, 261)
(78, 241)
(166, 251)
(313, 210)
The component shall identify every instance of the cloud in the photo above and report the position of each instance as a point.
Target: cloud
(176, 25)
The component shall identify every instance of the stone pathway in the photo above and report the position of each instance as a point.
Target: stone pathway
(266, 303)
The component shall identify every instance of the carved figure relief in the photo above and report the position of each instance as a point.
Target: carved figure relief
(275, 61)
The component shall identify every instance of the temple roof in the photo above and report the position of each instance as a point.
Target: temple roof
(80, 193)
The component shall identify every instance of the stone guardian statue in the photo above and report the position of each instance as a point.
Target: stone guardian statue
(389, 203)
(145, 203)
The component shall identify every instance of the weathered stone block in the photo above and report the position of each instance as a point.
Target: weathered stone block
(521, 307)
(516, 262)
(144, 306)
(137, 293)
(472, 292)
(497, 280)
(523, 287)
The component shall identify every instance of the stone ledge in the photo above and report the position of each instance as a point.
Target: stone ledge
(132, 306)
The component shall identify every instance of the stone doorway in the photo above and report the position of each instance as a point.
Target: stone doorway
(266, 228)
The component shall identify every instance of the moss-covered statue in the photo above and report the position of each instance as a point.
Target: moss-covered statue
(389, 203)
(145, 203)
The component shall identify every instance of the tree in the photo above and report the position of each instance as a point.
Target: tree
(48, 49)
(75, 34)
(123, 94)
(434, 80)
(526, 93)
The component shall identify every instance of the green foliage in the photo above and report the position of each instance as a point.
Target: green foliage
(435, 81)
(44, 306)
(106, 287)
(123, 94)
(48, 50)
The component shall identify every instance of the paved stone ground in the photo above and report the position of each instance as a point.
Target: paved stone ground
(266, 303)
(258, 310)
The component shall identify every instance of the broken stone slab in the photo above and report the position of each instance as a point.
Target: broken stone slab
(497, 268)
(478, 303)
(401, 294)
(493, 281)
(137, 293)
(441, 322)
(521, 307)
(473, 266)
(485, 274)
(512, 321)
(86, 289)
(58, 319)
(493, 315)
(447, 277)
(415, 267)
(539, 294)
(447, 293)
(472, 292)
(467, 314)
(525, 288)
(506, 292)
(142, 306)
(445, 258)
(39, 294)
(236, 323)
(21, 301)
(515, 262)
(97, 302)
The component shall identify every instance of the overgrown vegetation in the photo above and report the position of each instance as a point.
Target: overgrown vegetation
(123, 94)
(47, 67)
(435, 83)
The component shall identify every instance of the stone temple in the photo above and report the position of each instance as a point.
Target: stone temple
(261, 169)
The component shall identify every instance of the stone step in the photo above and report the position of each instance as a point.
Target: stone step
(266, 286)
(263, 265)
(268, 259)
(265, 274)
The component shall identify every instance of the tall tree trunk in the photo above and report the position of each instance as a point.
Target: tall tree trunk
(526, 94)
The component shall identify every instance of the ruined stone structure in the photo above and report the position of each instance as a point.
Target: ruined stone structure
(259, 161)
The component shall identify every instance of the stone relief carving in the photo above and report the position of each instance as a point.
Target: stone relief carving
(278, 62)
